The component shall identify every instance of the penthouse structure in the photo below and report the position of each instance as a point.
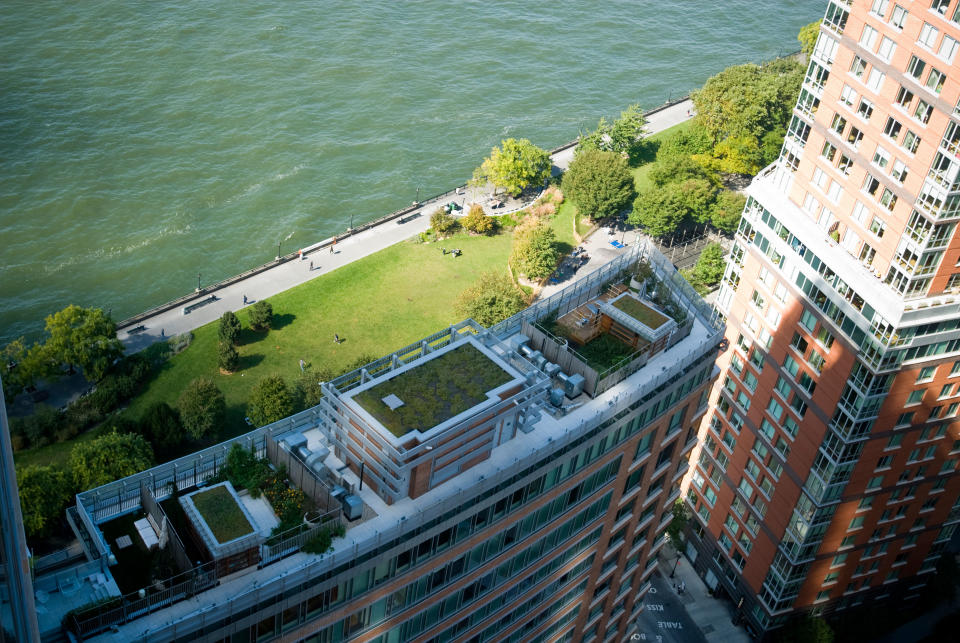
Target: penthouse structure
(501, 484)
(827, 475)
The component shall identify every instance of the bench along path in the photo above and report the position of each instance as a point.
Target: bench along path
(210, 304)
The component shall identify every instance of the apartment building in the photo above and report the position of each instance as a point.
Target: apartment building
(502, 484)
(826, 474)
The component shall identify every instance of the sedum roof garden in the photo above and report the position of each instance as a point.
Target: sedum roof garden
(433, 391)
(643, 313)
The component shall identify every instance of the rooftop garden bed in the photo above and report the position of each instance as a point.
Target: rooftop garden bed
(222, 514)
(641, 312)
(605, 351)
(434, 391)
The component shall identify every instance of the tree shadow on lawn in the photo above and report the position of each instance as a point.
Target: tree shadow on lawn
(644, 152)
(563, 248)
(282, 321)
(249, 336)
(249, 361)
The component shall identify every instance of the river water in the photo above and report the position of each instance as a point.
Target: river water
(142, 143)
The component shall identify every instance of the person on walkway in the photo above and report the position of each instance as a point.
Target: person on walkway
(244, 300)
(311, 266)
(336, 338)
(683, 586)
(300, 253)
(161, 332)
(332, 244)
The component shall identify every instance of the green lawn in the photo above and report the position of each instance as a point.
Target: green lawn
(222, 514)
(377, 304)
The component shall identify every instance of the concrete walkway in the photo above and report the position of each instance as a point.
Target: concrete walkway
(712, 616)
(293, 273)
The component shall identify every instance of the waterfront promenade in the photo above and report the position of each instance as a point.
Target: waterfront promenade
(263, 283)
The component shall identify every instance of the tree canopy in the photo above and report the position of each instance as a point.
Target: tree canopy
(515, 165)
(726, 210)
(229, 330)
(491, 299)
(685, 143)
(107, 458)
(202, 407)
(660, 211)
(535, 251)
(808, 37)
(442, 222)
(44, 495)
(623, 136)
(599, 182)
(270, 400)
(676, 169)
(160, 424)
(84, 338)
(477, 221)
(708, 271)
(261, 315)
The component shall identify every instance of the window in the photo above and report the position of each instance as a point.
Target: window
(911, 142)
(809, 321)
(879, 7)
(875, 80)
(828, 152)
(899, 171)
(868, 38)
(926, 374)
(881, 157)
(858, 66)
(928, 35)
(905, 419)
(894, 441)
(923, 111)
(915, 397)
(855, 137)
(948, 49)
(935, 79)
(940, 6)
(899, 17)
(888, 199)
(916, 67)
(884, 462)
(838, 124)
(904, 97)
(856, 523)
(887, 47)
(892, 128)
(848, 96)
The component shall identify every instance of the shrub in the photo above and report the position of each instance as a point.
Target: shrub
(478, 222)
(270, 400)
(307, 390)
(543, 210)
(244, 469)
(261, 315)
(227, 357)
(180, 343)
(491, 299)
(229, 330)
(442, 222)
(202, 407)
(39, 429)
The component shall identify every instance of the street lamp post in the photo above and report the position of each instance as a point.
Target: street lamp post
(278, 250)
(676, 563)
(351, 222)
(198, 282)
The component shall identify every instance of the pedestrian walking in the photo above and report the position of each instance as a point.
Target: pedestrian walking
(300, 253)
(161, 332)
(244, 300)
(332, 244)
(311, 266)
(336, 338)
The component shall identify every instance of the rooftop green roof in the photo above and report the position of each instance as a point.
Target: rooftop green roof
(221, 513)
(641, 312)
(434, 391)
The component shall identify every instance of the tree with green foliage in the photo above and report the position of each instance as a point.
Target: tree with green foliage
(82, 337)
(442, 222)
(228, 359)
(804, 629)
(808, 37)
(708, 271)
(261, 315)
(748, 100)
(534, 251)
(22, 367)
(229, 330)
(699, 196)
(478, 222)
(306, 390)
(513, 166)
(107, 458)
(738, 155)
(599, 182)
(491, 299)
(45, 493)
(160, 424)
(685, 143)
(679, 517)
(677, 169)
(270, 400)
(726, 210)
(202, 408)
(660, 211)
(623, 136)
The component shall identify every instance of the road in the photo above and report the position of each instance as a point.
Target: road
(664, 620)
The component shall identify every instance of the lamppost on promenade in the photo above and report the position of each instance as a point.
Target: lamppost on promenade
(280, 242)
(198, 282)
(675, 564)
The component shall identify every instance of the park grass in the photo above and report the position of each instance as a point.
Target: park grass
(58, 452)
(376, 305)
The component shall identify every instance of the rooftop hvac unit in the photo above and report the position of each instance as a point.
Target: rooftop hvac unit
(572, 384)
(293, 441)
(556, 396)
(518, 342)
(551, 369)
(352, 506)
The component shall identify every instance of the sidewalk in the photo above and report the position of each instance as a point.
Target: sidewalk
(286, 275)
(713, 616)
